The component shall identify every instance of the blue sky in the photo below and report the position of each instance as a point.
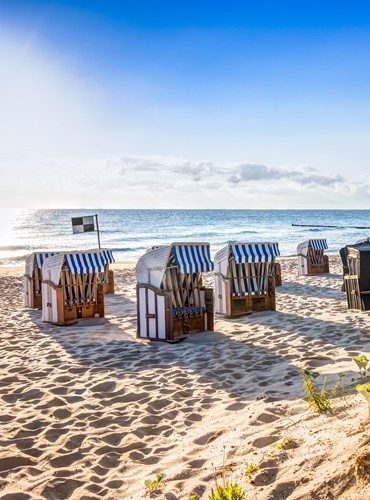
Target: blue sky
(146, 104)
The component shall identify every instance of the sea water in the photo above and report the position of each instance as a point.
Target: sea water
(129, 233)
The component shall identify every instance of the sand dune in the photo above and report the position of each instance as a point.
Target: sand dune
(88, 411)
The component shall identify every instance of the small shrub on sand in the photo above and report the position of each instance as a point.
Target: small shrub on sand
(250, 469)
(362, 364)
(283, 444)
(319, 400)
(364, 389)
(153, 485)
(227, 491)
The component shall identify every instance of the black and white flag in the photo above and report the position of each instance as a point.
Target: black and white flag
(83, 224)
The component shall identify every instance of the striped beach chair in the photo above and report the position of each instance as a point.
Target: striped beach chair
(245, 278)
(171, 300)
(32, 279)
(311, 257)
(72, 288)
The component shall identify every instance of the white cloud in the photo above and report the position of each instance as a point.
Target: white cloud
(165, 182)
(306, 176)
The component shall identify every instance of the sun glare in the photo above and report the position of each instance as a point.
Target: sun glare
(8, 219)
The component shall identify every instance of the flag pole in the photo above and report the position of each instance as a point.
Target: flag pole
(97, 229)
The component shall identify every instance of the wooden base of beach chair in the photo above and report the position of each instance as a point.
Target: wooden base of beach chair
(278, 280)
(208, 293)
(63, 314)
(156, 320)
(109, 287)
(72, 314)
(33, 297)
(261, 303)
(356, 298)
(237, 307)
(247, 305)
(189, 324)
(34, 300)
(318, 268)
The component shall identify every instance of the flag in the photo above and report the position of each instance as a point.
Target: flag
(83, 224)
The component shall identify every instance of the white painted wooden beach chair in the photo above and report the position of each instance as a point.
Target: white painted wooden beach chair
(72, 287)
(171, 301)
(245, 278)
(32, 279)
(311, 257)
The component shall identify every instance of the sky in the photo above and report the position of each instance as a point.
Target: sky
(185, 104)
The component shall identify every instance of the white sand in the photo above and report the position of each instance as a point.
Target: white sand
(89, 412)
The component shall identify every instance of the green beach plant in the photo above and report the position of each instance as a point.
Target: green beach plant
(153, 485)
(319, 400)
(250, 469)
(283, 444)
(362, 363)
(364, 389)
(227, 491)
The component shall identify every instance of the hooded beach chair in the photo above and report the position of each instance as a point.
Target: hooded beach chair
(107, 276)
(171, 301)
(311, 258)
(33, 277)
(245, 278)
(357, 278)
(72, 287)
(344, 258)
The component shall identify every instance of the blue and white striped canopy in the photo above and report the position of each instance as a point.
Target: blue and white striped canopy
(107, 256)
(247, 281)
(79, 263)
(193, 258)
(41, 256)
(318, 244)
(254, 252)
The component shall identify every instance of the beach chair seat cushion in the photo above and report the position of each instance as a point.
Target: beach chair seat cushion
(187, 311)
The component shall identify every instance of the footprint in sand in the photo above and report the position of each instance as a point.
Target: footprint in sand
(163, 430)
(264, 418)
(75, 442)
(115, 484)
(62, 414)
(262, 442)
(103, 389)
(52, 435)
(316, 361)
(52, 403)
(207, 438)
(96, 489)
(113, 439)
(9, 464)
(61, 488)
(16, 496)
(265, 477)
(196, 464)
(236, 407)
(66, 460)
(194, 417)
(110, 461)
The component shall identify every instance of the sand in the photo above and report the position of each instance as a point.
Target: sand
(89, 412)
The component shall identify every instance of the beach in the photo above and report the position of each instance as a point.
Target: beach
(88, 411)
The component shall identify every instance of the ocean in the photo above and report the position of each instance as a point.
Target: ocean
(128, 233)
